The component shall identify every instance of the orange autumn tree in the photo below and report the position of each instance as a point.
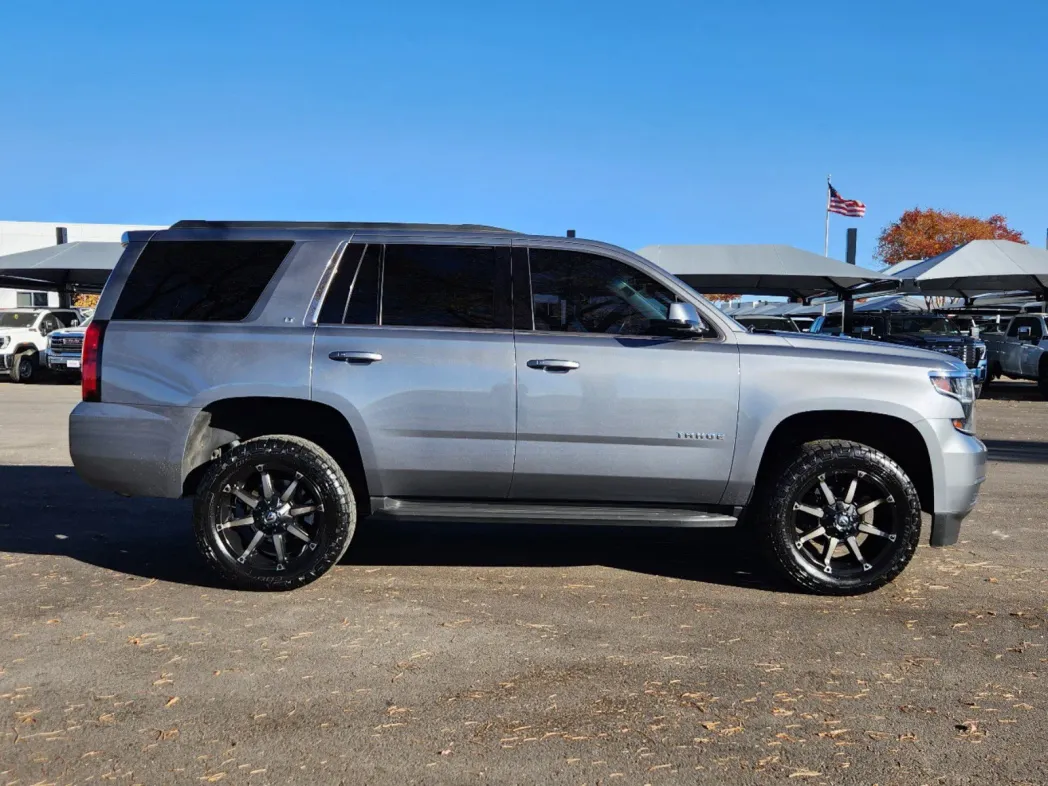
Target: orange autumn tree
(722, 298)
(85, 301)
(922, 234)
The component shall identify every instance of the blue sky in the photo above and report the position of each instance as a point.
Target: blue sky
(636, 123)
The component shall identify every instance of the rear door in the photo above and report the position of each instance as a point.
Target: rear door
(414, 345)
(606, 410)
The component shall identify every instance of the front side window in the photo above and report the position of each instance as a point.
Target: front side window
(438, 286)
(1022, 322)
(578, 292)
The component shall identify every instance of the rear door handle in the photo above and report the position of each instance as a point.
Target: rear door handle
(550, 364)
(356, 358)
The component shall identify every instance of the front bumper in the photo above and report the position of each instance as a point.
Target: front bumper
(979, 372)
(6, 362)
(61, 362)
(958, 470)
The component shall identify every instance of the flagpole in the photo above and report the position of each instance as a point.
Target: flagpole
(826, 240)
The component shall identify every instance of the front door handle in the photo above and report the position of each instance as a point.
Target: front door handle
(557, 366)
(357, 358)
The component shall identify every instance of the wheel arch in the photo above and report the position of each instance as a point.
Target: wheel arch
(897, 438)
(225, 421)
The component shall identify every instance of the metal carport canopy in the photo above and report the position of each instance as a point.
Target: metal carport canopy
(759, 270)
(70, 266)
(978, 267)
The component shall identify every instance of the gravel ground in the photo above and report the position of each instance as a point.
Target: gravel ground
(467, 654)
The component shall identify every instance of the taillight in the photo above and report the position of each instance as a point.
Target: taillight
(91, 361)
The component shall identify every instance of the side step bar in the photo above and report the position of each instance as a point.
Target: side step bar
(390, 509)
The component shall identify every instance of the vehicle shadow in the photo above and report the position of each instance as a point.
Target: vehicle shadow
(49, 510)
(1012, 390)
(1017, 451)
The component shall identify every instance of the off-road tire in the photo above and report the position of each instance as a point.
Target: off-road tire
(340, 512)
(1042, 380)
(24, 362)
(775, 525)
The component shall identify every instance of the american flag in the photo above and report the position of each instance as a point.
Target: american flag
(845, 207)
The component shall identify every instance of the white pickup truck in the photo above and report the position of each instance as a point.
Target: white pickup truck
(1020, 352)
(23, 338)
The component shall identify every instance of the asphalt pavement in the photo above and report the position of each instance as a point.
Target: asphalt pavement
(473, 654)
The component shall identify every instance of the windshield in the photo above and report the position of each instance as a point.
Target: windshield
(17, 319)
(939, 326)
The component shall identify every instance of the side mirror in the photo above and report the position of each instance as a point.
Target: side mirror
(683, 320)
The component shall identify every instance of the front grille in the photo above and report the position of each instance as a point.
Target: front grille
(67, 345)
(969, 354)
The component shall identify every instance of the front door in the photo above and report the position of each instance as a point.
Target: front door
(606, 411)
(414, 347)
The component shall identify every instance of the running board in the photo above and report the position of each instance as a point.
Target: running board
(390, 509)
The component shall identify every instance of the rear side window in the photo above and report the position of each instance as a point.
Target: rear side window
(352, 298)
(417, 285)
(439, 286)
(200, 280)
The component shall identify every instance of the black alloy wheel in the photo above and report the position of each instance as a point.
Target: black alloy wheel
(274, 513)
(843, 519)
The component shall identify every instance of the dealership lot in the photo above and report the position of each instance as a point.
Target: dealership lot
(510, 654)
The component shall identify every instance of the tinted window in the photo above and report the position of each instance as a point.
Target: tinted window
(200, 280)
(67, 318)
(902, 323)
(352, 297)
(585, 293)
(363, 299)
(1030, 322)
(438, 286)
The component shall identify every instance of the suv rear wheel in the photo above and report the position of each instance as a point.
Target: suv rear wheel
(274, 513)
(842, 519)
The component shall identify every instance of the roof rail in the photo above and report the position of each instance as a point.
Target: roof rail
(362, 225)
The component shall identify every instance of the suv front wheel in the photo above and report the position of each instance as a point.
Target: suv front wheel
(274, 513)
(842, 519)
(24, 366)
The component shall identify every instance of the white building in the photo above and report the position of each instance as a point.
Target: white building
(18, 236)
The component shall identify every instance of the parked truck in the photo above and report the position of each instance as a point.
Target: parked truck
(1020, 351)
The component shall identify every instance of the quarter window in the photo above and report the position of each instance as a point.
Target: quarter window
(199, 280)
(584, 293)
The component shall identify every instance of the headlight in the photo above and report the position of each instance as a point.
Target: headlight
(958, 384)
(3, 341)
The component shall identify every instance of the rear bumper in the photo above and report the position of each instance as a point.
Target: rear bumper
(958, 471)
(133, 450)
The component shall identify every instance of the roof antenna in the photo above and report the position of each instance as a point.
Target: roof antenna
(571, 233)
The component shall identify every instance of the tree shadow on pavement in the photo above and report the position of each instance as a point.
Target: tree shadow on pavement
(50, 510)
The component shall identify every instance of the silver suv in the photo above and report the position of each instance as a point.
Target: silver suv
(295, 378)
